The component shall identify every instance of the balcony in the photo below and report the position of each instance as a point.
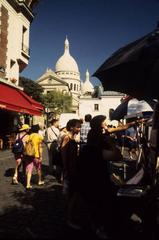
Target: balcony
(24, 58)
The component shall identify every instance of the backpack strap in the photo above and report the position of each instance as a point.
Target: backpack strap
(54, 132)
(22, 136)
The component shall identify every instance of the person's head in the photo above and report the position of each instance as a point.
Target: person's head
(88, 117)
(55, 122)
(73, 126)
(24, 128)
(98, 123)
(35, 128)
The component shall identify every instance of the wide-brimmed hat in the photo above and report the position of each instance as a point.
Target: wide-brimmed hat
(24, 127)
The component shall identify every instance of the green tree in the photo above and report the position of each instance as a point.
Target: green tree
(31, 88)
(57, 102)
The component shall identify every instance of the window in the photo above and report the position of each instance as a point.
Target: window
(25, 47)
(71, 86)
(96, 107)
(49, 80)
(12, 62)
(74, 87)
(2, 69)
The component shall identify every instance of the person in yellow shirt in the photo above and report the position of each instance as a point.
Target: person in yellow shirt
(36, 160)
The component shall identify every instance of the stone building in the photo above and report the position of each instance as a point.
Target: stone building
(15, 21)
(65, 77)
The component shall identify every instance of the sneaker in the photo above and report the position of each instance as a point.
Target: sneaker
(41, 183)
(15, 181)
(29, 187)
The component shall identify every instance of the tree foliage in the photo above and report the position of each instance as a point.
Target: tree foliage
(32, 88)
(57, 102)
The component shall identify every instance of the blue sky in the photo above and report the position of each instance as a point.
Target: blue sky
(95, 29)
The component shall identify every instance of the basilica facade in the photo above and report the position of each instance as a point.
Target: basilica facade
(66, 78)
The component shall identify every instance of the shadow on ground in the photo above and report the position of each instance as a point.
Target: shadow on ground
(40, 214)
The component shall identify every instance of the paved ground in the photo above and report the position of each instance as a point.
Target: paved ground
(39, 213)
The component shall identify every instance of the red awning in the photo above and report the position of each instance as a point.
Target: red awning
(16, 100)
(33, 102)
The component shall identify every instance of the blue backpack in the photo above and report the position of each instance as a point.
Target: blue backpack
(18, 146)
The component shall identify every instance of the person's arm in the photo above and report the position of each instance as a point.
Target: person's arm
(40, 147)
(125, 126)
(131, 138)
(119, 128)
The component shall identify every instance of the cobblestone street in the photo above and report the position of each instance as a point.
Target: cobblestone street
(39, 213)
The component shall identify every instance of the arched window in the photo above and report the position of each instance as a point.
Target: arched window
(74, 87)
(71, 85)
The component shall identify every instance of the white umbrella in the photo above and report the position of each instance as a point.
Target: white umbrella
(135, 106)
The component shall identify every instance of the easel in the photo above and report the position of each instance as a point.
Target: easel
(141, 147)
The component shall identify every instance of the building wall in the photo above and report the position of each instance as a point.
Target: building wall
(74, 86)
(51, 84)
(3, 39)
(96, 106)
(15, 41)
(49, 88)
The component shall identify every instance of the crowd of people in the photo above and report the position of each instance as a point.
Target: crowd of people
(78, 157)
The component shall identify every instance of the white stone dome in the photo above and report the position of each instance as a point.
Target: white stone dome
(87, 86)
(66, 63)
